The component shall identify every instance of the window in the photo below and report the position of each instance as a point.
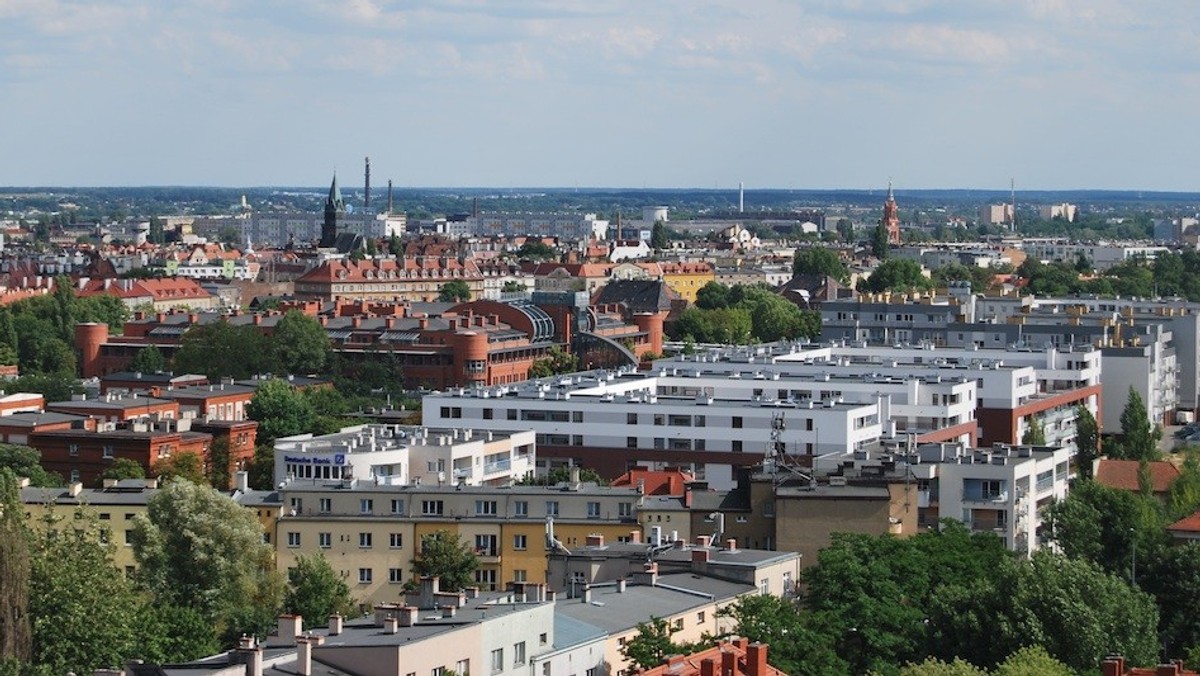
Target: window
(521, 508)
(73, 449)
(108, 451)
(497, 660)
(324, 540)
(511, 414)
(74, 476)
(764, 587)
(518, 654)
(520, 542)
(431, 507)
(631, 418)
(551, 508)
(105, 516)
(487, 414)
(485, 545)
(577, 416)
(395, 575)
(462, 667)
(485, 508)
(293, 539)
(364, 575)
(630, 442)
(677, 624)
(395, 540)
(593, 510)
(625, 509)
(366, 506)
(437, 671)
(129, 539)
(659, 419)
(519, 575)
(542, 638)
(700, 421)
(364, 540)
(486, 579)
(737, 422)
(325, 505)
(700, 617)
(397, 506)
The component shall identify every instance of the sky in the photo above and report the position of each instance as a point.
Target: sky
(1054, 94)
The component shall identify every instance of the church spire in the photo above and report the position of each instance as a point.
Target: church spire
(335, 196)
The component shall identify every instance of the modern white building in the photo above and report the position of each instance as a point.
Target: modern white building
(406, 455)
(1102, 255)
(270, 229)
(565, 226)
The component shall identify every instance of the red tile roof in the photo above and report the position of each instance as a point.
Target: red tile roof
(1123, 474)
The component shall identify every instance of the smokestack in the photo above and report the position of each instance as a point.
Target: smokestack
(389, 195)
(741, 197)
(367, 185)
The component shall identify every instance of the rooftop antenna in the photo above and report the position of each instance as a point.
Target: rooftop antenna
(367, 185)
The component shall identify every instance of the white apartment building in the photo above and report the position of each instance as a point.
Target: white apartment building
(610, 421)
(1103, 255)
(278, 229)
(566, 226)
(405, 455)
(1065, 211)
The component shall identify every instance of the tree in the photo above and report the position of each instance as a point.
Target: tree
(658, 236)
(197, 548)
(819, 260)
(560, 475)
(182, 465)
(1138, 440)
(536, 250)
(932, 666)
(25, 462)
(148, 360)
(512, 286)
(83, 608)
(221, 350)
(845, 230)
(124, 468)
(16, 631)
(262, 468)
(315, 591)
(652, 644)
(713, 296)
(171, 634)
(1032, 661)
(899, 274)
(1100, 524)
(1087, 438)
(1173, 577)
(800, 644)
(218, 463)
(301, 344)
(455, 290)
(555, 362)
(446, 556)
(1035, 434)
(52, 386)
(880, 245)
(281, 411)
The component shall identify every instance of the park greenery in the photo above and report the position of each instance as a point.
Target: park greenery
(742, 314)
(819, 260)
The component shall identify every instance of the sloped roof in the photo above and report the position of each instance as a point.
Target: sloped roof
(639, 295)
(1123, 474)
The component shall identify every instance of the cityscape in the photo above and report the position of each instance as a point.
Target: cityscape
(599, 339)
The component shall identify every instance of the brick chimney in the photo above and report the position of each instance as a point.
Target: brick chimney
(708, 667)
(595, 540)
(728, 663)
(290, 628)
(1172, 669)
(756, 659)
(335, 625)
(635, 536)
(1114, 665)
(303, 656)
(701, 557)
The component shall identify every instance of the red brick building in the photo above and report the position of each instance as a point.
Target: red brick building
(83, 455)
(737, 657)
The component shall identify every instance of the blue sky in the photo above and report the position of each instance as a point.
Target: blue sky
(621, 93)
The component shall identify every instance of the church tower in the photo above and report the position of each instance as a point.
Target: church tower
(335, 210)
(891, 218)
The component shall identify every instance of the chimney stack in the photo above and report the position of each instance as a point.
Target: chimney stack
(303, 656)
(587, 593)
(367, 186)
(1113, 665)
(635, 536)
(728, 663)
(290, 628)
(390, 203)
(708, 667)
(391, 625)
(756, 659)
(621, 585)
(335, 625)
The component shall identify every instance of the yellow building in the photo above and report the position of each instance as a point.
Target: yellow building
(371, 533)
(115, 506)
(686, 279)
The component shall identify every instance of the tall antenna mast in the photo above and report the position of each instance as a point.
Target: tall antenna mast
(367, 186)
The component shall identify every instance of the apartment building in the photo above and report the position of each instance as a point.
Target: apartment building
(371, 533)
(613, 420)
(401, 455)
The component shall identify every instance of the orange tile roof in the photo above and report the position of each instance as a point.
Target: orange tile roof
(1188, 524)
(1123, 474)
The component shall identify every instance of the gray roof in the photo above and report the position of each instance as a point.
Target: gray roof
(616, 612)
(88, 496)
(569, 632)
(34, 419)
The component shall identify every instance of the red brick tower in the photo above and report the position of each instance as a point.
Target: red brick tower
(89, 336)
(891, 218)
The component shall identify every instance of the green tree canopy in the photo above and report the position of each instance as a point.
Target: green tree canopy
(181, 465)
(1101, 524)
(281, 411)
(16, 628)
(899, 274)
(932, 666)
(315, 591)
(1087, 441)
(658, 236)
(301, 344)
(148, 360)
(880, 247)
(555, 362)
(26, 462)
(819, 260)
(455, 290)
(536, 250)
(1032, 661)
(446, 556)
(199, 549)
(221, 349)
(1138, 438)
(124, 468)
(712, 296)
(652, 644)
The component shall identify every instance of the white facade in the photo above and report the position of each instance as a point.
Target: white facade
(403, 455)
(278, 229)
(1102, 255)
(566, 226)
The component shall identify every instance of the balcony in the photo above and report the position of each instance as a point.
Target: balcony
(501, 466)
(988, 498)
(488, 555)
